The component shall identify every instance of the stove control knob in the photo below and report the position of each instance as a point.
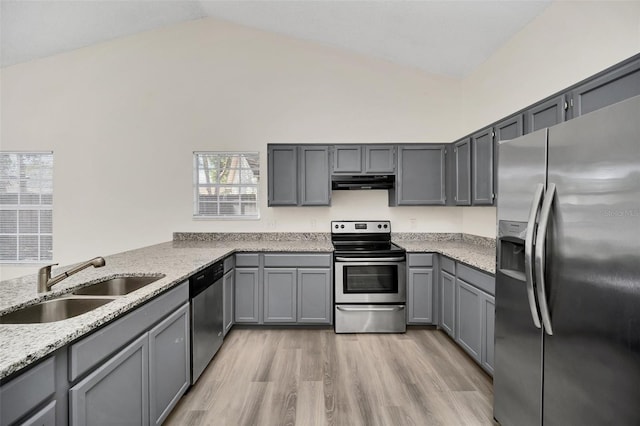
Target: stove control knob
(342, 226)
(385, 226)
(379, 226)
(336, 226)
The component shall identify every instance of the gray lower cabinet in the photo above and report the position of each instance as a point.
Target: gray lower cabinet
(448, 303)
(314, 296)
(115, 393)
(280, 295)
(488, 332)
(22, 396)
(228, 290)
(282, 175)
(45, 417)
(545, 114)
(247, 295)
(420, 175)
(169, 362)
(420, 296)
(482, 167)
(462, 175)
(469, 319)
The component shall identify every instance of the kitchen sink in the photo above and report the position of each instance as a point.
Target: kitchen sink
(53, 310)
(117, 286)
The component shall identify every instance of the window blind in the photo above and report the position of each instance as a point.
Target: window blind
(226, 184)
(26, 207)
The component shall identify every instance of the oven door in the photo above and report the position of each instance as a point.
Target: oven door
(370, 281)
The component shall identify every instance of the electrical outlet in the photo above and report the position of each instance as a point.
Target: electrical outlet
(313, 223)
(271, 224)
(413, 223)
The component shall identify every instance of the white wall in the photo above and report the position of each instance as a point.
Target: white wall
(124, 117)
(568, 42)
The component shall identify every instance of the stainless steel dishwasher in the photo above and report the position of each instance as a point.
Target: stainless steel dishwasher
(207, 327)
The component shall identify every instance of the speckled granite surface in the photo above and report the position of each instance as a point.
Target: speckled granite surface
(252, 236)
(23, 344)
(480, 256)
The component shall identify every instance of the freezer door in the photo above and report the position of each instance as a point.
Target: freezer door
(518, 342)
(592, 360)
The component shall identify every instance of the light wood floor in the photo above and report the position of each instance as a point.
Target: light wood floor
(317, 377)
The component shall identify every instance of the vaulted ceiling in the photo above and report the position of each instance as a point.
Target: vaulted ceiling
(446, 37)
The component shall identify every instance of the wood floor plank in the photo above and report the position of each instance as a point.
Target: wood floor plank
(316, 377)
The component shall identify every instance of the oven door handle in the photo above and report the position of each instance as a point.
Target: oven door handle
(370, 259)
(380, 309)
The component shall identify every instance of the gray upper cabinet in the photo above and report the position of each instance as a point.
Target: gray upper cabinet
(545, 114)
(615, 86)
(482, 167)
(363, 159)
(347, 159)
(314, 176)
(421, 175)
(115, 393)
(509, 128)
(379, 158)
(462, 161)
(282, 175)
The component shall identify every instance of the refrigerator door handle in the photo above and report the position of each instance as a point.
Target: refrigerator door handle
(528, 253)
(541, 240)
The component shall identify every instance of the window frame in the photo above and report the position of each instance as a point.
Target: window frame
(19, 206)
(197, 185)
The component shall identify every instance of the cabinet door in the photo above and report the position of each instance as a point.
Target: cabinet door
(462, 153)
(44, 417)
(469, 318)
(314, 176)
(169, 364)
(420, 297)
(482, 167)
(421, 179)
(507, 129)
(488, 332)
(280, 295)
(615, 86)
(247, 296)
(347, 159)
(448, 303)
(314, 295)
(227, 295)
(546, 114)
(379, 159)
(115, 393)
(282, 175)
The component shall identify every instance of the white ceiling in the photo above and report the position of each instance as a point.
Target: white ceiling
(447, 37)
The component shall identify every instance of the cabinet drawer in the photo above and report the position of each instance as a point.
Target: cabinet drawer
(26, 391)
(420, 259)
(297, 260)
(229, 263)
(247, 259)
(94, 349)
(484, 282)
(448, 265)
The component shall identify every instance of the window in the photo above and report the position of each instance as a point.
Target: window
(26, 207)
(226, 184)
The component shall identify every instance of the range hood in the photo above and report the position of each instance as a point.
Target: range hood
(362, 182)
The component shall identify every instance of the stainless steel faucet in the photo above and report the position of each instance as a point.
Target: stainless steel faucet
(45, 282)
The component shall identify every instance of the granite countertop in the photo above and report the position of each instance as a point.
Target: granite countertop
(479, 254)
(24, 344)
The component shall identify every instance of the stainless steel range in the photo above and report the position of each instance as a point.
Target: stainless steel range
(370, 278)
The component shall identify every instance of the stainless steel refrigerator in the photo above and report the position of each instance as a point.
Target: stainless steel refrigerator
(567, 337)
